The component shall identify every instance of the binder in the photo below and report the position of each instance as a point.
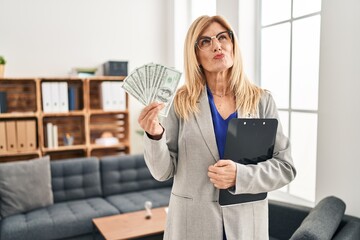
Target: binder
(3, 147)
(46, 97)
(71, 98)
(3, 103)
(248, 141)
(118, 97)
(11, 136)
(106, 96)
(55, 98)
(30, 135)
(21, 135)
(63, 97)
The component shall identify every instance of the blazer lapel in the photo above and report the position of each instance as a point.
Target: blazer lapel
(205, 124)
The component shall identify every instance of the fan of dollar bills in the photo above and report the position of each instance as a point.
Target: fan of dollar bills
(153, 82)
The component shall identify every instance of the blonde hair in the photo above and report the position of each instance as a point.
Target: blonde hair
(247, 95)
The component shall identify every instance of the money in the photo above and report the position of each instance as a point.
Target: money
(153, 83)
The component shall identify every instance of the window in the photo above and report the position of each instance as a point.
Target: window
(289, 68)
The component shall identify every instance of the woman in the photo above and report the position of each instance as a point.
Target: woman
(190, 142)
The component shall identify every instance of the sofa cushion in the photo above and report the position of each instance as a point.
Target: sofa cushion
(322, 221)
(134, 201)
(61, 220)
(127, 173)
(17, 186)
(76, 178)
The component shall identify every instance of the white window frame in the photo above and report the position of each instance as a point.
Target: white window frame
(284, 195)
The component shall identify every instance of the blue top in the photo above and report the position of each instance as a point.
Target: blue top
(220, 124)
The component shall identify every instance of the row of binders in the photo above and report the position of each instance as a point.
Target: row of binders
(17, 136)
(113, 96)
(59, 97)
(55, 96)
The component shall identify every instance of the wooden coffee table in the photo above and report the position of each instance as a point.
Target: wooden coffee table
(131, 225)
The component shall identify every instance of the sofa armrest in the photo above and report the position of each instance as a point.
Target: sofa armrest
(349, 229)
(322, 221)
(285, 218)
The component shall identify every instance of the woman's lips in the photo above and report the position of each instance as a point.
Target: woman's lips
(219, 56)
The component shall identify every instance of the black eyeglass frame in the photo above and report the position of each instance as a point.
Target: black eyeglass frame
(231, 35)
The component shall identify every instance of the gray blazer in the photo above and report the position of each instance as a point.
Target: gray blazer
(186, 150)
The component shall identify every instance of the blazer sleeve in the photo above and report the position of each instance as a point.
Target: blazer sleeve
(161, 155)
(271, 174)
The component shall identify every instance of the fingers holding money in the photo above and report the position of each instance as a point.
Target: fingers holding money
(148, 119)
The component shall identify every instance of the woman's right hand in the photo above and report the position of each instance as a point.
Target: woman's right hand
(149, 121)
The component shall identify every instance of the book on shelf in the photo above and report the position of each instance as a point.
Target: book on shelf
(83, 72)
(55, 136)
(74, 101)
(49, 135)
(52, 135)
(3, 103)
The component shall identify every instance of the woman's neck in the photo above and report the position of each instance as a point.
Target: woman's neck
(218, 84)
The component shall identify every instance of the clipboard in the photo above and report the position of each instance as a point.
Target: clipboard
(248, 141)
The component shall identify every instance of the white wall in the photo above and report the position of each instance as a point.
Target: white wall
(49, 37)
(338, 163)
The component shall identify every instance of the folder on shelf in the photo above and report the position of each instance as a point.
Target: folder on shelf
(63, 97)
(71, 95)
(55, 98)
(248, 141)
(105, 94)
(3, 102)
(46, 97)
(118, 96)
(3, 147)
(31, 135)
(21, 135)
(11, 136)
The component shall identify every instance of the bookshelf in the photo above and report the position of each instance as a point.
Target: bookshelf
(84, 119)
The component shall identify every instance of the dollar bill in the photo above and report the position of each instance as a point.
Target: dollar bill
(156, 81)
(153, 82)
(130, 87)
(141, 75)
(166, 89)
(135, 80)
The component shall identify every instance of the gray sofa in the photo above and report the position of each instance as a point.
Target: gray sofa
(87, 188)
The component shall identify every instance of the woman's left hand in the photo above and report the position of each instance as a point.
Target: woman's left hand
(223, 174)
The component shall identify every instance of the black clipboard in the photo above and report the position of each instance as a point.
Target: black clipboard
(248, 141)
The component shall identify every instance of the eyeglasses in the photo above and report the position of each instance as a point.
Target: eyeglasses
(205, 43)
